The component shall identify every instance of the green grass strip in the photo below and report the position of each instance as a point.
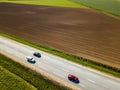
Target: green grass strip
(37, 80)
(61, 3)
(10, 81)
(80, 60)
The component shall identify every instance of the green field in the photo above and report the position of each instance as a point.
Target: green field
(10, 81)
(62, 3)
(110, 6)
(14, 76)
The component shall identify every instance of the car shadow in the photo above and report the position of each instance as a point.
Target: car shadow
(76, 82)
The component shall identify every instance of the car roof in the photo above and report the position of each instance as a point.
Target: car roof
(32, 59)
(70, 75)
(36, 52)
(29, 57)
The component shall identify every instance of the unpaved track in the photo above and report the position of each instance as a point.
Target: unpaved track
(82, 32)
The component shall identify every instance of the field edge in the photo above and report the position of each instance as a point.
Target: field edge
(67, 3)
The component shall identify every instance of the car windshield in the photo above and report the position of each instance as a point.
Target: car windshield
(36, 53)
(75, 78)
(31, 58)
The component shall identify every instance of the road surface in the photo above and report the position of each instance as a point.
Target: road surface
(56, 66)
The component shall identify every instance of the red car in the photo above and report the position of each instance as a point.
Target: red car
(73, 78)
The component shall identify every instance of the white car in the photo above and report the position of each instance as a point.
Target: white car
(30, 59)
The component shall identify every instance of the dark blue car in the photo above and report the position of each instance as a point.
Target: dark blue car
(37, 54)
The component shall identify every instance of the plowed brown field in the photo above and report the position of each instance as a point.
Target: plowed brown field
(81, 32)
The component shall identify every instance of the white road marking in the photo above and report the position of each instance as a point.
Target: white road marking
(58, 74)
(82, 85)
(42, 67)
(91, 81)
(65, 70)
(45, 61)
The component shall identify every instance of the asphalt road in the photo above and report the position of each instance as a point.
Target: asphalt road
(89, 80)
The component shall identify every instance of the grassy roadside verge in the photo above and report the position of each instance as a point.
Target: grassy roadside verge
(10, 81)
(80, 60)
(34, 79)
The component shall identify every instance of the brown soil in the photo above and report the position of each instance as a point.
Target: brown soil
(81, 32)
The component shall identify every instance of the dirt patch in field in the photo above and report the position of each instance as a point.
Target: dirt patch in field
(81, 32)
